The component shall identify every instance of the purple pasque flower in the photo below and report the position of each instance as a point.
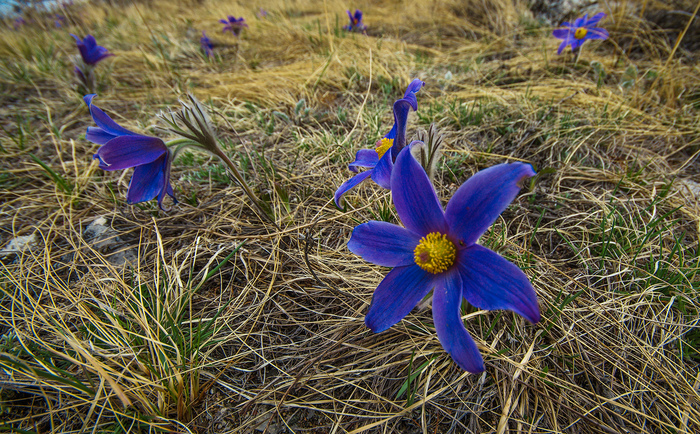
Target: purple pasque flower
(262, 13)
(122, 149)
(206, 44)
(582, 30)
(356, 24)
(380, 161)
(233, 25)
(437, 250)
(90, 51)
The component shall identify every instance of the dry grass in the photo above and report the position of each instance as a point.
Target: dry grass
(223, 324)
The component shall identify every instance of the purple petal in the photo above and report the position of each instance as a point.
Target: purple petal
(350, 184)
(104, 121)
(98, 135)
(576, 44)
(414, 197)
(148, 181)
(410, 94)
(99, 54)
(381, 174)
(364, 158)
(595, 19)
(392, 133)
(579, 22)
(81, 76)
(90, 42)
(384, 244)
(401, 109)
(397, 295)
(454, 338)
(561, 33)
(130, 151)
(491, 282)
(482, 198)
(562, 46)
(597, 33)
(168, 189)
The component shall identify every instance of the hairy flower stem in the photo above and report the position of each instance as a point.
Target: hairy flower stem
(237, 175)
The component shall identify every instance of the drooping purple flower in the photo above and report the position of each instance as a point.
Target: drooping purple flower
(206, 44)
(356, 24)
(379, 161)
(123, 149)
(233, 25)
(582, 30)
(437, 250)
(90, 51)
(262, 13)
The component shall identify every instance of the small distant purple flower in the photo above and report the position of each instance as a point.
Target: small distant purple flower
(582, 30)
(206, 44)
(122, 149)
(59, 20)
(380, 161)
(234, 25)
(262, 13)
(90, 51)
(436, 249)
(18, 22)
(356, 24)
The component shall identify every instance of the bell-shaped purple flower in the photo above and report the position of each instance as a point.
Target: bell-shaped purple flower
(233, 25)
(122, 149)
(380, 160)
(436, 249)
(90, 51)
(356, 24)
(582, 30)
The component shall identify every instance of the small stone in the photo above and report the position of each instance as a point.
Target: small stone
(19, 245)
(105, 239)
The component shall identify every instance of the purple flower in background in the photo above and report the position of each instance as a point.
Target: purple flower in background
(59, 20)
(379, 161)
(356, 24)
(122, 149)
(262, 13)
(233, 25)
(206, 44)
(90, 51)
(18, 22)
(582, 30)
(437, 250)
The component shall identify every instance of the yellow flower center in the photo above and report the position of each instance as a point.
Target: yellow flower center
(580, 33)
(435, 253)
(383, 145)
